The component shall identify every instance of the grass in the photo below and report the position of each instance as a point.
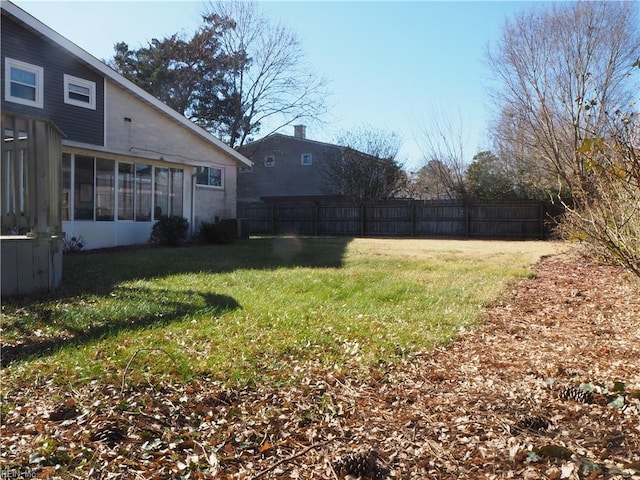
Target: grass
(260, 310)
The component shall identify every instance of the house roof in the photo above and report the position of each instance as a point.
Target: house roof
(288, 137)
(342, 148)
(114, 76)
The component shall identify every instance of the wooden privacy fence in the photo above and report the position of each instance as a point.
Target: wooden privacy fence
(399, 218)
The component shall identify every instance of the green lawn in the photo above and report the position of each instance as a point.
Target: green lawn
(259, 310)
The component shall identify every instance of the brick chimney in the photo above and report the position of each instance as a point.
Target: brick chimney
(300, 131)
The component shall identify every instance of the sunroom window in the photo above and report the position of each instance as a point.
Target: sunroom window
(105, 190)
(168, 192)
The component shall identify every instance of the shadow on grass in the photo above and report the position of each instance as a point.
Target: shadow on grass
(96, 277)
(167, 311)
(98, 273)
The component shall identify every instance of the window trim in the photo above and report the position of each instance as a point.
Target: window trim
(80, 82)
(9, 65)
(208, 185)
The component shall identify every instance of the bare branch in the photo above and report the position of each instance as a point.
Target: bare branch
(276, 86)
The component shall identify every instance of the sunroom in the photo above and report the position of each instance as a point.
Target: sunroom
(112, 201)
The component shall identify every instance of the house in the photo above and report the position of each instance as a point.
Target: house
(286, 166)
(89, 154)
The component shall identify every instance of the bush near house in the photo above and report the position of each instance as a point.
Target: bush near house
(169, 230)
(222, 232)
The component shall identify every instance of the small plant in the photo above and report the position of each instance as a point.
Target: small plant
(224, 231)
(73, 244)
(207, 232)
(169, 230)
(19, 230)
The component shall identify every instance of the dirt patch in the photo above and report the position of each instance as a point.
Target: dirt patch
(547, 387)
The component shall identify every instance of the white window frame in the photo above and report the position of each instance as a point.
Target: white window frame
(11, 64)
(270, 161)
(70, 80)
(208, 185)
(306, 159)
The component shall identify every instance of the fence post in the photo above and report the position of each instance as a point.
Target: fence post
(467, 222)
(362, 219)
(413, 218)
(272, 209)
(316, 218)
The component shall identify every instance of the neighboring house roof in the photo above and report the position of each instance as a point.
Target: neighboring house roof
(289, 137)
(114, 76)
(247, 147)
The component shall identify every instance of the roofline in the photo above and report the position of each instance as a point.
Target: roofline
(290, 137)
(114, 76)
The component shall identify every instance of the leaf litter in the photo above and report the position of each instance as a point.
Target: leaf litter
(546, 387)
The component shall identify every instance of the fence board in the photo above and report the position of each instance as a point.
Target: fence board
(402, 218)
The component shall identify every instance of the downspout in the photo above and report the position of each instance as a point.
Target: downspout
(193, 202)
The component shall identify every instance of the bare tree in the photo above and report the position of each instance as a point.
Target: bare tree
(568, 83)
(560, 70)
(536, 179)
(432, 181)
(276, 85)
(442, 145)
(366, 167)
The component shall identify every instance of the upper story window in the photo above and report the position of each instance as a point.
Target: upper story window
(269, 161)
(79, 92)
(210, 176)
(23, 83)
(248, 169)
(306, 159)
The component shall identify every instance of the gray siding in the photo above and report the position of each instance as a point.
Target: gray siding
(288, 177)
(78, 124)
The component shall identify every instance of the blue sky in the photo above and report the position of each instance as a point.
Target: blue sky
(390, 65)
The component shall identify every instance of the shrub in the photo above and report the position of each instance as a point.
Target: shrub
(207, 232)
(224, 231)
(605, 213)
(169, 230)
(73, 244)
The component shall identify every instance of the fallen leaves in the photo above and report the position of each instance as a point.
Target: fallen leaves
(506, 400)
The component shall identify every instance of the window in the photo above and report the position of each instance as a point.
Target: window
(83, 188)
(168, 192)
(269, 161)
(306, 159)
(79, 92)
(134, 192)
(125, 191)
(105, 189)
(23, 83)
(65, 214)
(143, 192)
(245, 169)
(210, 176)
(89, 187)
(176, 191)
(14, 173)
